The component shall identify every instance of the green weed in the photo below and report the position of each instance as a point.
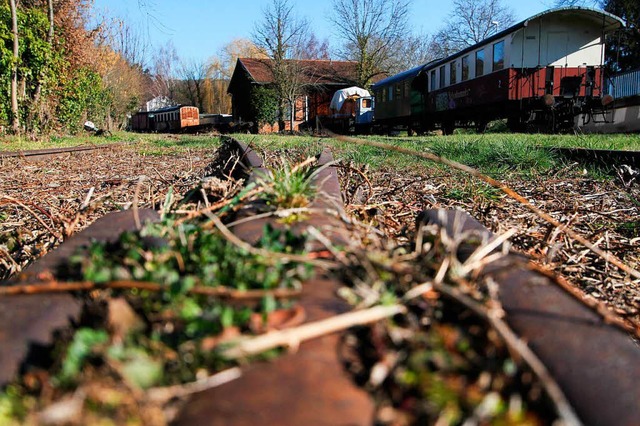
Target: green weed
(288, 187)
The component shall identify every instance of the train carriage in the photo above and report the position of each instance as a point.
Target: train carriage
(171, 119)
(541, 73)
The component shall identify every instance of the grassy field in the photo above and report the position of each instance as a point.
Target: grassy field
(497, 153)
(146, 143)
(491, 153)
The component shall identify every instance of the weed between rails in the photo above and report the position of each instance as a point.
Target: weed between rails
(439, 363)
(184, 290)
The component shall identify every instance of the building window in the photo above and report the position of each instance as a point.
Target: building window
(465, 68)
(498, 56)
(433, 80)
(479, 63)
(452, 73)
(442, 75)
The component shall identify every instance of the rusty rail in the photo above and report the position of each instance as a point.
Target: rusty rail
(39, 154)
(607, 157)
(596, 364)
(30, 321)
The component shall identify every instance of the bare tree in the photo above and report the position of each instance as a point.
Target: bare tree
(15, 123)
(572, 3)
(417, 50)
(281, 36)
(312, 48)
(372, 32)
(129, 41)
(471, 22)
(237, 48)
(165, 63)
(126, 83)
(38, 90)
(193, 74)
(220, 70)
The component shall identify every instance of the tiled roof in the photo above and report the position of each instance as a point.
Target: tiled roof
(315, 71)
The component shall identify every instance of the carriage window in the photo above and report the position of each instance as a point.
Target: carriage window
(384, 94)
(498, 56)
(390, 93)
(465, 68)
(479, 63)
(398, 90)
(452, 73)
(433, 80)
(407, 89)
(442, 74)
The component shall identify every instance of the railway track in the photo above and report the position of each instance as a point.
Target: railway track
(595, 364)
(39, 154)
(605, 157)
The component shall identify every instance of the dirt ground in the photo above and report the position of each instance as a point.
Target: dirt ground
(43, 202)
(606, 213)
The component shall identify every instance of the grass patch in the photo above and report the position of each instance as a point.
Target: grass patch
(145, 143)
(497, 154)
(20, 143)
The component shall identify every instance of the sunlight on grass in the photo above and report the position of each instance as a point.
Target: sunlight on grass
(148, 143)
(494, 154)
(491, 153)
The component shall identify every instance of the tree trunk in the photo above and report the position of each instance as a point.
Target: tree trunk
(50, 34)
(292, 114)
(38, 91)
(14, 71)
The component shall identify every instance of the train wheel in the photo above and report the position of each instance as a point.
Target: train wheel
(515, 124)
(448, 127)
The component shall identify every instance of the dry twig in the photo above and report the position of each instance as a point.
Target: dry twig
(294, 336)
(220, 292)
(518, 347)
(609, 257)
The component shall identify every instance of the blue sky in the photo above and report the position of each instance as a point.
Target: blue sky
(200, 28)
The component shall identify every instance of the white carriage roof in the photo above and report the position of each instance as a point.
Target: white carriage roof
(608, 21)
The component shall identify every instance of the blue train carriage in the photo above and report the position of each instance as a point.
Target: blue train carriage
(351, 111)
(538, 74)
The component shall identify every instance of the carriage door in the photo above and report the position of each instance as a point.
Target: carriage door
(557, 48)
